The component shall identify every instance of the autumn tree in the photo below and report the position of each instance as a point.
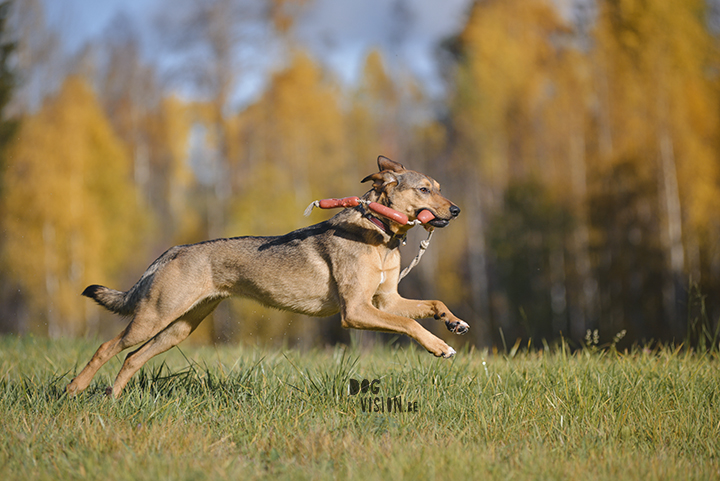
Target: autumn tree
(374, 119)
(659, 117)
(8, 81)
(154, 127)
(611, 122)
(69, 210)
(38, 59)
(504, 86)
(8, 127)
(129, 92)
(293, 140)
(207, 36)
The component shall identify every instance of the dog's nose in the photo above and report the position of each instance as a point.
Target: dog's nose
(454, 210)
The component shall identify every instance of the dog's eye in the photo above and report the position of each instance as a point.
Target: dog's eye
(424, 190)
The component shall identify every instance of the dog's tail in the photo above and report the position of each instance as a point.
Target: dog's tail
(112, 300)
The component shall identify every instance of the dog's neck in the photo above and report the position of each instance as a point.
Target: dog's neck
(392, 229)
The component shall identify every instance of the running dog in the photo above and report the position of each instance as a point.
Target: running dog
(348, 264)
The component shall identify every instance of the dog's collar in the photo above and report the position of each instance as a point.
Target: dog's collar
(380, 224)
(384, 227)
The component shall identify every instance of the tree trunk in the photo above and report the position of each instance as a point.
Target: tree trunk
(477, 257)
(51, 280)
(583, 314)
(670, 204)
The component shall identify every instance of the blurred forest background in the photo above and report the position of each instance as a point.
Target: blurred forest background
(580, 138)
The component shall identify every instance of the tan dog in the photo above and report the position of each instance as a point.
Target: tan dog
(348, 264)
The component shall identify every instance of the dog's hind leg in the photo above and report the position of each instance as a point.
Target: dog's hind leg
(146, 323)
(166, 339)
(104, 353)
(139, 330)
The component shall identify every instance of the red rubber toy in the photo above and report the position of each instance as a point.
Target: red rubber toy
(425, 216)
(345, 202)
(385, 211)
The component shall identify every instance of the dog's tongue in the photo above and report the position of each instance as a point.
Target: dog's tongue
(425, 216)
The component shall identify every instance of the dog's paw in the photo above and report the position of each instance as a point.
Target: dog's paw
(440, 349)
(446, 353)
(450, 353)
(457, 327)
(72, 389)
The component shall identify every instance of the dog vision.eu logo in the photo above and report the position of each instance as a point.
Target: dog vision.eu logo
(371, 401)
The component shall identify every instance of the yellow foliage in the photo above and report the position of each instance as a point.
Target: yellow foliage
(69, 211)
(293, 153)
(504, 77)
(294, 139)
(167, 133)
(658, 53)
(373, 121)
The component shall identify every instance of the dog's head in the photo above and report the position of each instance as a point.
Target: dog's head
(410, 192)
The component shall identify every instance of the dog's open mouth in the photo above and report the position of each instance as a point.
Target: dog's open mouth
(437, 222)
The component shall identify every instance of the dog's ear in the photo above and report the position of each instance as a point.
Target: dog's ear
(382, 180)
(386, 164)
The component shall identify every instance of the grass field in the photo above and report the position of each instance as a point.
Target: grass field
(244, 413)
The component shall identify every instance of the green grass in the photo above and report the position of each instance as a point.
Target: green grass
(245, 413)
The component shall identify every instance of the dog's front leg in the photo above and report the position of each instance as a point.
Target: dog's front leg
(367, 317)
(417, 309)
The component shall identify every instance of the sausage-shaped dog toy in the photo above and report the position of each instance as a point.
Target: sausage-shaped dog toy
(424, 216)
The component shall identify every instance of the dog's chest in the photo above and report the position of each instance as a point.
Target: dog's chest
(390, 262)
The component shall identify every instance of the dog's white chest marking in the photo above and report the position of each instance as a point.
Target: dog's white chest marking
(382, 277)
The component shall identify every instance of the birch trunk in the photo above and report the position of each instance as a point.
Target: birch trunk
(670, 204)
(583, 315)
(477, 258)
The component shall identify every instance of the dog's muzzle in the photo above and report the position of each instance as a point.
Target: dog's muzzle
(440, 222)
